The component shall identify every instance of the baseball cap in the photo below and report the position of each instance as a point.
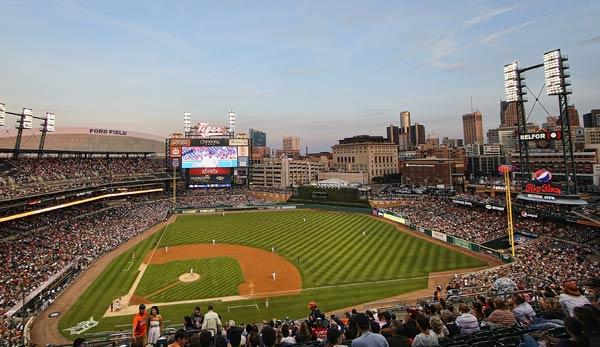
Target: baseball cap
(142, 307)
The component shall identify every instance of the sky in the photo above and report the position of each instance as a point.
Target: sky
(320, 70)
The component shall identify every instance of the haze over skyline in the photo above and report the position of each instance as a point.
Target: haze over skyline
(318, 70)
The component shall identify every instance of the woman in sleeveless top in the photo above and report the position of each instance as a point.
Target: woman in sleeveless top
(155, 325)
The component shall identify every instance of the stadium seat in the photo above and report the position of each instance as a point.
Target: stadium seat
(486, 343)
(510, 341)
(558, 332)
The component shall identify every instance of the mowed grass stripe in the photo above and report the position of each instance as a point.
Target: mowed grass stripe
(219, 277)
(331, 246)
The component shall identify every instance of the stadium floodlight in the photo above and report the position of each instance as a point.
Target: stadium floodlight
(512, 82)
(50, 122)
(2, 115)
(554, 72)
(187, 121)
(231, 122)
(27, 118)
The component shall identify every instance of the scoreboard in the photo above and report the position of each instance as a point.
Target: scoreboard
(209, 162)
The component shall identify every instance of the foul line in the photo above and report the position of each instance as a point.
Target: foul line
(144, 266)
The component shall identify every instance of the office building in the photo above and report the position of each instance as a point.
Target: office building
(366, 154)
(508, 114)
(291, 145)
(405, 122)
(393, 134)
(258, 138)
(473, 128)
(592, 119)
(417, 134)
(573, 116)
(285, 173)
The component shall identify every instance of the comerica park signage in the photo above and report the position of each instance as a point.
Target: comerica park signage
(541, 136)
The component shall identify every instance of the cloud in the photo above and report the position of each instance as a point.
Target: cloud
(482, 18)
(491, 38)
(441, 50)
(591, 41)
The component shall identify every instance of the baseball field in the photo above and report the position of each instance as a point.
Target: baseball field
(337, 259)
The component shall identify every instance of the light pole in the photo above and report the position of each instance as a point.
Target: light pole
(505, 170)
(25, 121)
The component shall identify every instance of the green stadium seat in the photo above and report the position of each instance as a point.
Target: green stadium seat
(510, 341)
(486, 343)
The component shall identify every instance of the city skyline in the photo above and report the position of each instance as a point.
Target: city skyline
(322, 71)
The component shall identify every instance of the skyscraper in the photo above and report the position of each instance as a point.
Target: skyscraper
(291, 144)
(573, 116)
(417, 134)
(258, 138)
(508, 113)
(473, 128)
(592, 119)
(404, 121)
(393, 134)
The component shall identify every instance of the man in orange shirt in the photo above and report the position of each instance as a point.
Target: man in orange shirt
(140, 324)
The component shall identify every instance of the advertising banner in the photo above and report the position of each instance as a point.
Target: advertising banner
(462, 202)
(243, 151)
(180, 142)
(394, 218)
(210, 171)
(242, 161)
(238, 142)
(209, 142)
(174, 152)
(438, 235)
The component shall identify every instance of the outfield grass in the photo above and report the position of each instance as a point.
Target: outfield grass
(340, 266)
(220, 276)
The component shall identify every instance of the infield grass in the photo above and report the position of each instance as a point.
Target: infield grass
(340, 266)
(219, 277)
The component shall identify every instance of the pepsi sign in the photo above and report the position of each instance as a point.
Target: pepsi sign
(542, 176)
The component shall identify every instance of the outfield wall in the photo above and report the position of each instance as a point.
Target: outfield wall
(441, 236)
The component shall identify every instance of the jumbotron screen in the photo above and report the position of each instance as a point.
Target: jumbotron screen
(206, 157)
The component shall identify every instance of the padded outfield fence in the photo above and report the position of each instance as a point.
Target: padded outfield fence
(451, 239)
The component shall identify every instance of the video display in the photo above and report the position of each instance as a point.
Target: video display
(206, 157)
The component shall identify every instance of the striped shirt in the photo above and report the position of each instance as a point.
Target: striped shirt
(502, 317)
(467, 323)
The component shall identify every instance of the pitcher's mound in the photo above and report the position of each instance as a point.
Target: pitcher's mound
(189, 277)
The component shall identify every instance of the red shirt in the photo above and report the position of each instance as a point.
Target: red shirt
(140, 326)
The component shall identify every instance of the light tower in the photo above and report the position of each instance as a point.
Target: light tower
(231, 123)
(187, 122)
(555, 77)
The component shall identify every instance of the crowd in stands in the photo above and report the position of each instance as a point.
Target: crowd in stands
(526, 318)
(31, 258)
(29, 176)
(481, 225)
(204, 198)
(542, 263)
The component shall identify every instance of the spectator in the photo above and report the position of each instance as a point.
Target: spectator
(501, 317)
(449, 322)
(367, 338)
(426, 337)
(398, 339)
(572, 297)
(576, 330)
(268, 336)
(155, 325)
(466, 322)
(211, 322)
(181, 337)
(523, 312)
(286, 338)
(334, 338)
(79, 342)
(437, 326)
(197, 318)
(140, 324)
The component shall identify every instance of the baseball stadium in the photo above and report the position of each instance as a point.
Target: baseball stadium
(170, 232)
